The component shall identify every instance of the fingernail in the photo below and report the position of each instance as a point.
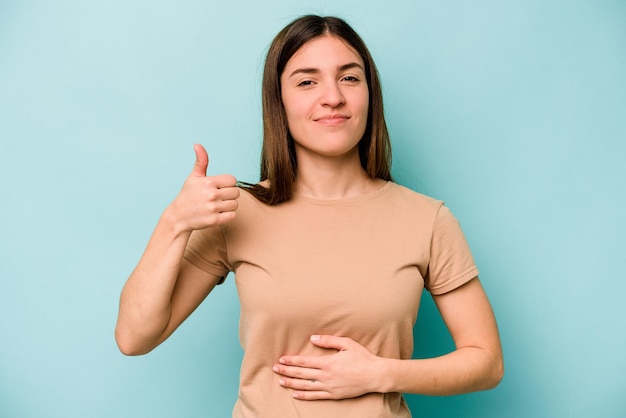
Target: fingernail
(281, 382)
(315, 337)
(275, 368)
(281, 360)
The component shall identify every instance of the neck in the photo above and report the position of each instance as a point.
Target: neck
(333, 178)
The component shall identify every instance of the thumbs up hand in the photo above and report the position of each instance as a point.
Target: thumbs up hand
(205, 201)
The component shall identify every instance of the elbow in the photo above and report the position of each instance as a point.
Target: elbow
(129, 350)
(496, 372)
(129, 346)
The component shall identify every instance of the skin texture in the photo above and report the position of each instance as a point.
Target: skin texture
(326, 101)
(325, 94)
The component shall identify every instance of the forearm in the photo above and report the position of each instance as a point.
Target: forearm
(465, 370)
(145, 302)
(353, 370)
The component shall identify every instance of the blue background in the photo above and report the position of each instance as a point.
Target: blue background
(513, 112)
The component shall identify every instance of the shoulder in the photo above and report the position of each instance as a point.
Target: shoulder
(249, 209)
(415, 200)
(428, 206)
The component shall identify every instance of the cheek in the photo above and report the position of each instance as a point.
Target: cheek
(295, 110)
(291, 118)
(360, 101)
(364, 108)
(366, 102)
(288, 103)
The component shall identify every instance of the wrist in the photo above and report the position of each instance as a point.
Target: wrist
(393, 374)
(172, 222)
(381, 375)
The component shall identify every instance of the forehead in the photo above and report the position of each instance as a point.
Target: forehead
(325, 50)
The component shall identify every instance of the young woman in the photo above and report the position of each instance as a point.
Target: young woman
(330, 256)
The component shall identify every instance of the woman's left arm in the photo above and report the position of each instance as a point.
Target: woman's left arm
(475, 364)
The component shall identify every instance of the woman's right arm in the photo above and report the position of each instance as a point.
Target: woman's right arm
(164, 289)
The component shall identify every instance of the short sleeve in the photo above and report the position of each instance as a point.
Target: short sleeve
(451, 262)
(207, 250)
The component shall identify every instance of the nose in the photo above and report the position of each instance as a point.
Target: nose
(331, 95)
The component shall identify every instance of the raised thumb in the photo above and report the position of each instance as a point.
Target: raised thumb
(202, 161)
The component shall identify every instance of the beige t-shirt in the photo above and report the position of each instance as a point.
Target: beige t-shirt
(353, 267)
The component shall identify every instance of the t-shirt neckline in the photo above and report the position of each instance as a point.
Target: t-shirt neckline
(346, 200)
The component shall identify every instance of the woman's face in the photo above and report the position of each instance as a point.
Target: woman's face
(325, 95)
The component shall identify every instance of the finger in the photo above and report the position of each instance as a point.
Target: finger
(302, 362)
(214, 193)
(330, 341)
(301, 384)
(305, 388)
(223, 181)
(227, 193)
(311, 395)
(224, 217)
(226, 206)
(295, 372)
(202, 161)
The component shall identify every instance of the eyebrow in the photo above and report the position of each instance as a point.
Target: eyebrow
(311, 70)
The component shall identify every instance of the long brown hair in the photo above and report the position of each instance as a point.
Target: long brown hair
(278, 157)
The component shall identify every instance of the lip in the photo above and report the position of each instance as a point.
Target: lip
(332, 120)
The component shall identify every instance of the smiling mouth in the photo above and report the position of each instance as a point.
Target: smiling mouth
(332, 120)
